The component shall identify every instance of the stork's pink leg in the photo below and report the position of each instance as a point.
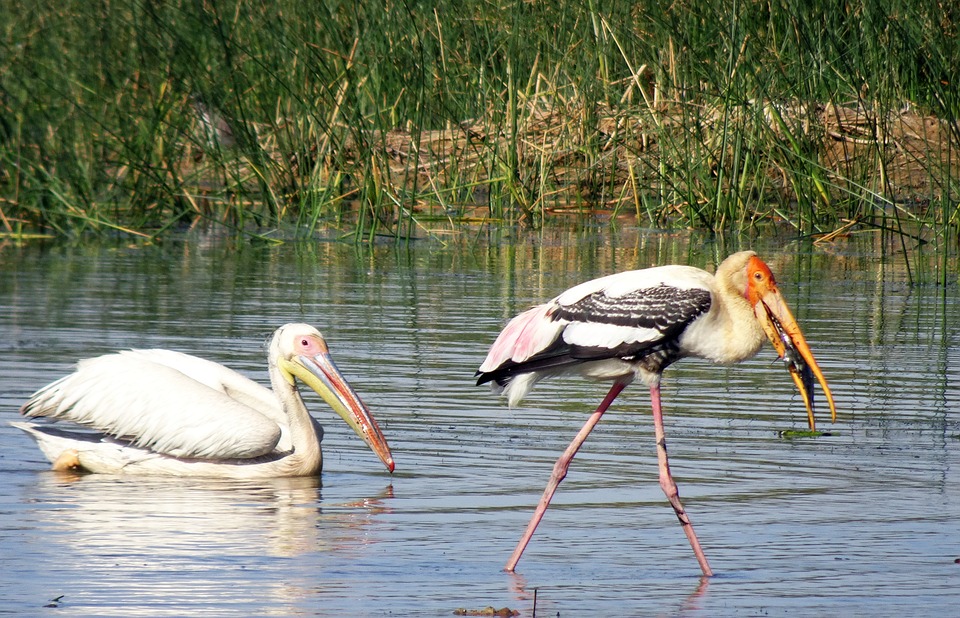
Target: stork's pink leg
(669, 486)
(560, 471)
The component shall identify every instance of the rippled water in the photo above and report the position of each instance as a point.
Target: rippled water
(863, 521)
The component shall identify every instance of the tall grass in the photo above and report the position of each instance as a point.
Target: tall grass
(408, 118)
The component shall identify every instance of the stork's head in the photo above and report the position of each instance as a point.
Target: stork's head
(784, 333)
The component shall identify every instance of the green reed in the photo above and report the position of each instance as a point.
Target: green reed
(404, 119)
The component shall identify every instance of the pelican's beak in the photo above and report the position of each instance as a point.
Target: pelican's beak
(784, 333)
(321, 374)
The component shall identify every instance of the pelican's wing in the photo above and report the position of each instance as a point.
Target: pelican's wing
(158, 407)
(218, 377)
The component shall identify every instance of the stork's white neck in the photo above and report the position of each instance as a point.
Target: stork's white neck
(729, 332)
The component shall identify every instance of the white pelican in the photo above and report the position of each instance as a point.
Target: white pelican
(633, 325)
(166, 413)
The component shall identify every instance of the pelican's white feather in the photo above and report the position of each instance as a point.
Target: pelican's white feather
(113, 394)
(163, 412)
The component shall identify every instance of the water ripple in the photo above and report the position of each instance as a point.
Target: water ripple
(860, 520)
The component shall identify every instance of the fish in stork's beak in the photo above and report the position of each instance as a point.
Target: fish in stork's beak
(784, 333)
(318, 371)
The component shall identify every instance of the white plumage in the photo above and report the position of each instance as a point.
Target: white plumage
(164, 412)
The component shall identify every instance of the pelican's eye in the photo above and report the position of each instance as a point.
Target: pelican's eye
(308, 345)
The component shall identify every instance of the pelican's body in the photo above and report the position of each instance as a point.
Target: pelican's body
(165, 413)
(632, 325)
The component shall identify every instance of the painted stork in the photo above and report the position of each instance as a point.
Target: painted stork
(634, 325)
(165, 413)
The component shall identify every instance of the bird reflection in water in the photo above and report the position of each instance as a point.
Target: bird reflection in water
(692, 605)
(151, 536)
(281, 517)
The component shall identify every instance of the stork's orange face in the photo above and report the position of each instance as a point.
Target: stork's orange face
(784, 333)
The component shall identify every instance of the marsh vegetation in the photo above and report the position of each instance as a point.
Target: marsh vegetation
(410, 118)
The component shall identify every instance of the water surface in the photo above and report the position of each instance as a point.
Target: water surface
(863, 521)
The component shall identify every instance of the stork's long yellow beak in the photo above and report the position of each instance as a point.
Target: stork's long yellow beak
(321, 374)
(784, 333)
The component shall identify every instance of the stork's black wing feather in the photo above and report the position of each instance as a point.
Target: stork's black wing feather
(662, 312)
(663, 307)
